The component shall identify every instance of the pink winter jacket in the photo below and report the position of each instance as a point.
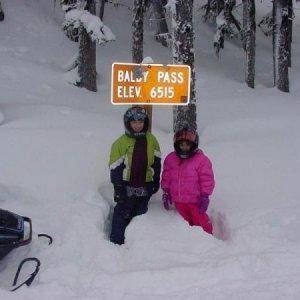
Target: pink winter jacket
(186, 179)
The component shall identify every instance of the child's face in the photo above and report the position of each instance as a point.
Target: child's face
(137, 126)
(185, 146)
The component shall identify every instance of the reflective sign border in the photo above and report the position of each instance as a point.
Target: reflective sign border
(147, 103)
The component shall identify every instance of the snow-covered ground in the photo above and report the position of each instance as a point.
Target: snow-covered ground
(55, 141)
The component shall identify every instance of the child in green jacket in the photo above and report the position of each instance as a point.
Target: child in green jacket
(135, 165)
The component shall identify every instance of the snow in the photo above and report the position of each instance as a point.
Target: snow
(148, 60)
(221, 19)
(93, 25)
(55, 142)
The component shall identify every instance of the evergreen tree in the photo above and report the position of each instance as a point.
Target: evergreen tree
(101, 10)
(87, 55)
(160, 20)
(281, 44)
(290, 30)
(183, 53)
(1, 13)
(138, 30)
(139, 8)
(249, 27)
(220, 12)
(82, 25)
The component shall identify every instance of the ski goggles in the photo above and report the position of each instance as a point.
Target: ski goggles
(136, 192)
(137, 114)
(185, 135)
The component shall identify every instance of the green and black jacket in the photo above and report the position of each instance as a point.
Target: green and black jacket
(120, 160)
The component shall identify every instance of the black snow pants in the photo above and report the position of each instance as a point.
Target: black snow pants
(124, 211)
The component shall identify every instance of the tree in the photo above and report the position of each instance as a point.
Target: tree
(220, 12)
(138, 31)
(82, 25)
(101, 10)
(290, 30)
(139, 7)
(1, 13)
(183, 53)
(279, 24)
(249, 27)
(160, 20)
(281, 40)
(266, 24)
(87, 55)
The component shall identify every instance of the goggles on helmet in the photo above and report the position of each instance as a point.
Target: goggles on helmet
(185, 135)
(136, 114)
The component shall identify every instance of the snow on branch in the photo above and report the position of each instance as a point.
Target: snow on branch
(98, 32)
(171, 5)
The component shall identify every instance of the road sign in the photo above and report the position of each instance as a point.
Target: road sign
(150, 84)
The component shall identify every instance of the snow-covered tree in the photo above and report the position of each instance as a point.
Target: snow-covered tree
(160, 21)
(87, 50)
(1, 13)
(220, 12)
(183, 53)
(249, 28)
(139, 7)
(279, 24)
(82, 25)
(266, 24)
(281, 42)
(212, 9)
(226, 24)
(101, 10)
(290, 30)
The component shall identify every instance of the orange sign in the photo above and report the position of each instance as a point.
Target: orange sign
(150, 84)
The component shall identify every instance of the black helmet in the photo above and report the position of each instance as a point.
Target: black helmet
(188, 135)
(136, 113)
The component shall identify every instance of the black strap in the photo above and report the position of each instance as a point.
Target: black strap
(28, 281)
(46, 236)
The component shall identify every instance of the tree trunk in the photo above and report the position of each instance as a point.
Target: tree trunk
(228, 7)
(207, 10)
(138, 40)
(101, 11)
(1, 13)
(183, 53)
(249, 29)
(87, 56)
(274, 39)
(219, 5)
(160, 19)
(282, 44)
(290, 31)
(138, 31)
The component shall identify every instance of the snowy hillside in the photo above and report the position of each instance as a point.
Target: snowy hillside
(55, 140)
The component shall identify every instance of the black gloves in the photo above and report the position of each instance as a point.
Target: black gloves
(152, 187)
(119, 193)
(155, 186)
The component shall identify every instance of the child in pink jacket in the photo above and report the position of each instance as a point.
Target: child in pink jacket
(188, 180)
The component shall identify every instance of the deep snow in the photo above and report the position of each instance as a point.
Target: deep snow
(55, 141)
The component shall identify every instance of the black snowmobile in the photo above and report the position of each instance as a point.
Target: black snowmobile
(12, 236)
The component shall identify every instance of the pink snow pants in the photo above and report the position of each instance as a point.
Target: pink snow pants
(189, 211)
